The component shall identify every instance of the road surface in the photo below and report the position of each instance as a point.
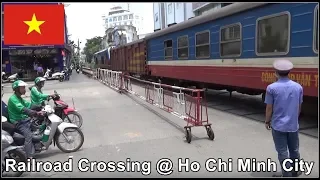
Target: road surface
(117, 127)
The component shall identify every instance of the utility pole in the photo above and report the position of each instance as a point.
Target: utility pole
(78, 50)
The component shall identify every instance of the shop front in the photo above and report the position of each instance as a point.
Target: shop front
(29, 57)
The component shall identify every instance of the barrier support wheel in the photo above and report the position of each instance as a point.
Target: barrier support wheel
(188, 134)
(210, 132)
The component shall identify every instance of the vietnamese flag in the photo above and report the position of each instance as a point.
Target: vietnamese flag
(34, 24)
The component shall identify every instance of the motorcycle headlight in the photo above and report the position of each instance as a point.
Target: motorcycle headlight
(6, 138)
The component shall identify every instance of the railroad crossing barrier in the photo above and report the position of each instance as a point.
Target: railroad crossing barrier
(185, 103)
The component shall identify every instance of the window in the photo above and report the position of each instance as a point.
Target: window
(168, 49)
(203, 44)
(230, 40)
(131, 16)
(130, 22)
(316, 29)
(125, 17)
(169, 8)
(273, 34)
(114, 18)
(110, 20)
(183, 47)
(125, 23)
(120, 18)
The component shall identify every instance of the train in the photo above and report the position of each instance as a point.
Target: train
(231, 48)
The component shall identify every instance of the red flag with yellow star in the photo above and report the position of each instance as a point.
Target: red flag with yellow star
(34, 24)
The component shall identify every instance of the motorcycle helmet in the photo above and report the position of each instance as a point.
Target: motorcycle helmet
(39, 80)
(18, 83)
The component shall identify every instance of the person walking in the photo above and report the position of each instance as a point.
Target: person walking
(283, 99)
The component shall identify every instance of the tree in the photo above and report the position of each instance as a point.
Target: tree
(92, 46)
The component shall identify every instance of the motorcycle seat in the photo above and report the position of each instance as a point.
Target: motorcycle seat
(61, 106)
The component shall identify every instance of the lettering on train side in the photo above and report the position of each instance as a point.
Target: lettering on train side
(306, 80)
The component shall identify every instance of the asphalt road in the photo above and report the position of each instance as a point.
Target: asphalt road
(117, 127)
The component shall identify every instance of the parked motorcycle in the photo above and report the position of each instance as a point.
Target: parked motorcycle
(13, 77)
(58, 75)
(12, 149)
(65, 112)
(48, 75)
(4, 76)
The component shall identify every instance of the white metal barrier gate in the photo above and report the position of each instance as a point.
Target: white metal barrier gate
(110, 78)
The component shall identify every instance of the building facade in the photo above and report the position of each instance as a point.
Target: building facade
(167, 14)
(119, 16)
(15, 57)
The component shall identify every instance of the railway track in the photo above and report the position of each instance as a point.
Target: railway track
(252, 108)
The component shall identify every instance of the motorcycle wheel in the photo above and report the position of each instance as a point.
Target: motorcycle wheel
(64, 134)
(61, 78)
(70, 120)
(19, 156)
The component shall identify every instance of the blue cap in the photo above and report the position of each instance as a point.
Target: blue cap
(282, 65)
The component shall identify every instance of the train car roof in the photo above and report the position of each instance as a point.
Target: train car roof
(219, 13)
(128, 44)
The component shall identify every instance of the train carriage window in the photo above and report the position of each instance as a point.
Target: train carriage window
(168, 49)
(183, 47)
(230, 40)
(273, 34)
(316, 29)
(203, 44)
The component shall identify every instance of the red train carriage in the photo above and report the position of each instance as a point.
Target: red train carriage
(130, 58)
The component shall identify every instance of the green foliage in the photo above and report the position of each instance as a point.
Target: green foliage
(92, 46)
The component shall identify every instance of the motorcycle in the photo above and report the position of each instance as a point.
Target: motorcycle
(12, 149)
(59, 75)
(13, 77)
(64, 111)
(51, 129)
(48, 75)
(4, 76)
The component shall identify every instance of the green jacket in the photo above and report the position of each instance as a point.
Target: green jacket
(16, 105)
(37, 97)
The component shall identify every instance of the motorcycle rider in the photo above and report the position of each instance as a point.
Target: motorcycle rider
(37, 97)
(19, 109)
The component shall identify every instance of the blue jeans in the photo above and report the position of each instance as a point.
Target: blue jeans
(24, 127)
(287, 146)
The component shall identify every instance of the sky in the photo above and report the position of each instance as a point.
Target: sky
(84, 20)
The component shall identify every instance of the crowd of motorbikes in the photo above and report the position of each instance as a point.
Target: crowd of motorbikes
(48, 75)
(52, 126)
